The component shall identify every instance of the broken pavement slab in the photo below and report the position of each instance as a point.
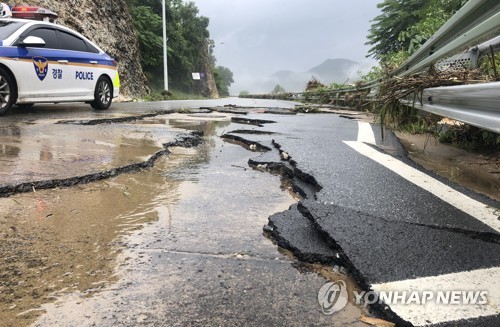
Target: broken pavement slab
(251, 121)
(254, 146)
(244, 110)
(388, 229)
(296, 233)
(372, 245)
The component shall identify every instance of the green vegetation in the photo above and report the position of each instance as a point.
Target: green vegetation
(223, 79)
(490, 66)
(189, 47)
(395, 35)
(471, 138)
(404, 26)
(278, 89)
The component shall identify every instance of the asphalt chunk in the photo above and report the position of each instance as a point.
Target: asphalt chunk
(251, 131)
(295, 232)
(250, 121)
(247, 143)
(370, 246)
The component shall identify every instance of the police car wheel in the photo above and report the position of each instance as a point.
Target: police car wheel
(7, 92)
(103, 94)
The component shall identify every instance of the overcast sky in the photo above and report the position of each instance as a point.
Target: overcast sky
(256, 38)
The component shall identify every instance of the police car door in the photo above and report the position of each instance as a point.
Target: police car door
(36, 65)
(80, 66)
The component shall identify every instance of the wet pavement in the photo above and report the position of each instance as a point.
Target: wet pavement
(179, 243)
(178, 229)
(386, 228)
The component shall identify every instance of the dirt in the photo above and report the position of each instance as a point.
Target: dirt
(476, 171)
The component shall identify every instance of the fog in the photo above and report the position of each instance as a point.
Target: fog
(256, 38)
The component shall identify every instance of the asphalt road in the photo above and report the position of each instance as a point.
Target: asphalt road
(388, 223)
(390, 220)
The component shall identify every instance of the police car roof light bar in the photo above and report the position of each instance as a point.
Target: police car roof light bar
(34, 13)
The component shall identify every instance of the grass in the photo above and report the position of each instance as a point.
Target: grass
(471, 138)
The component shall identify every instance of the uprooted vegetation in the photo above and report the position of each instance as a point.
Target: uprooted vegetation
(394, 91)
(397, 97)
(394, 104)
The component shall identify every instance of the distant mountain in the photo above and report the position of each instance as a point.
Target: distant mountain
(291, 81)
(331, 70)
(335, 70)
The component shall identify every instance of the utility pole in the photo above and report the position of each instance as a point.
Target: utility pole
(165, 39)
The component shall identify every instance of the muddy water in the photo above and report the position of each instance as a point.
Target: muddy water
(45, 150)
(480, 173)
(177, 244)
(66, 240)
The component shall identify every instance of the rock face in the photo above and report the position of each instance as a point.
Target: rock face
(108, 24)
(211, 87)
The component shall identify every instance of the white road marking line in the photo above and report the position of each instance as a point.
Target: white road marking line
(365, 133)
(431, 313)
(477, 280)
(478, 210)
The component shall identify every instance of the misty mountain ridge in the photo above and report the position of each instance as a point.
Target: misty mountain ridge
(330, 71)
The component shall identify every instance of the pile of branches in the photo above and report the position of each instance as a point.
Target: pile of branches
(399, 88)
(314, 84)
(394, 89)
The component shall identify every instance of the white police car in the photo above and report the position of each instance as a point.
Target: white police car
(41, 62)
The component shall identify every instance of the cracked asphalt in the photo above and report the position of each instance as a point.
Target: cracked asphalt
(166, 230)
(144, 216)
(384, 227)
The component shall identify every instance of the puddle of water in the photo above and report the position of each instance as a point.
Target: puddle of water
(54, 245)
(44, 152)
(480, 173)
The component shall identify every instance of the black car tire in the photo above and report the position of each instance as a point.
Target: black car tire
(7, 92)
(103, 94)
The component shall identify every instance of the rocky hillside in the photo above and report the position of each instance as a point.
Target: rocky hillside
(108, 24)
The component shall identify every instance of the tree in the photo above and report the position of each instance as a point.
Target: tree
(405, 25)
(187, 44)
(223, 79)
(278, 89)
(149, 26)
(396, 17)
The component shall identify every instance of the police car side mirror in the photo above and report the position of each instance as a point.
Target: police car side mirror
(32, 41)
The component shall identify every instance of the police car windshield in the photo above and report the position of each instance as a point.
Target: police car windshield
(8, 27)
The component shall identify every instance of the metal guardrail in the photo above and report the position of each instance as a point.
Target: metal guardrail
(476, 104)
(473, 31)
(475, 22)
